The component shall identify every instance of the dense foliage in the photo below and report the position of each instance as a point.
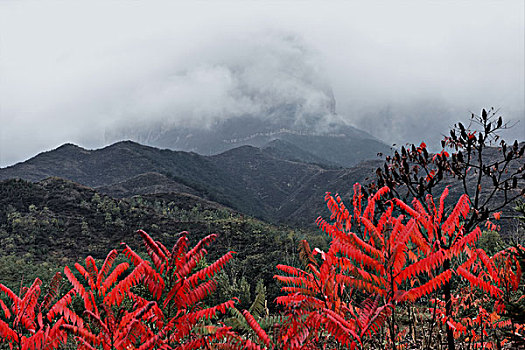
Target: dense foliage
(51, 223)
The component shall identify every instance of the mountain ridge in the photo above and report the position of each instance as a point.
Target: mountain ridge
(323, 136)
(251, 180)
(248, 179)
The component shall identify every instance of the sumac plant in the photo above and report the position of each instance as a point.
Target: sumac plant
(31, 322)
(474, 160)
(319, 306)
(180, 289)
(157, 304)
(389, 258)
(478, 318)
(107, 323)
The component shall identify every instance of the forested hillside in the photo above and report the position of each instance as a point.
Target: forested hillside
(48, 223)
(248, 179)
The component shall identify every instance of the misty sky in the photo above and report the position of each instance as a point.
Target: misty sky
(401, 70)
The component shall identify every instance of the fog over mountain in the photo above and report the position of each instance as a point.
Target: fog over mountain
(94, 72)
(275, 78)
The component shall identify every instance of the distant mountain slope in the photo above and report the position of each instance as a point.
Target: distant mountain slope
(339, 149)
(307, 202)
(147, 183)
(327, 138)
(285, 150)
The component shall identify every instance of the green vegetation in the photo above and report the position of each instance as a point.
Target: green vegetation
(54, 222)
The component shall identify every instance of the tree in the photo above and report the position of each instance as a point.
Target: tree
(474, 158)
(491, 177)
(392, 259)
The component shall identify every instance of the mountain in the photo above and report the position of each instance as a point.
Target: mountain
(251, 180)
(327, 139)
(254, 181)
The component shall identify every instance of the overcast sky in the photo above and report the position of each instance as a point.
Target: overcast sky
(71, 71)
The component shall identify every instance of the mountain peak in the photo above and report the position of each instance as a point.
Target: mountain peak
(69, 147)
(126, 143)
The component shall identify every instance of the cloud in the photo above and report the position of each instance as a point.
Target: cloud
(80, 72)
(218, 82)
